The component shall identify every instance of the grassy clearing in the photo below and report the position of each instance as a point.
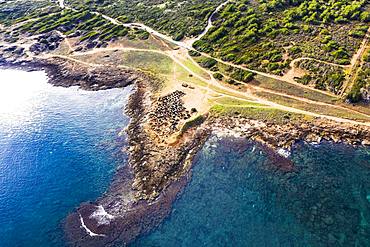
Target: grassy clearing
(264, 114)
(291, 89)
(195, 68)
(153, 62)
(319, 109)
(160, 64)
(183, 75)
(228, 101)
(150, 43)
(148, 61)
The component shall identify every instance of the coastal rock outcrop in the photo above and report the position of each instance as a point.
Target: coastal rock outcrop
(284, 136)
(46, 42)
(143, 191)
(161, 150)
(67, 73)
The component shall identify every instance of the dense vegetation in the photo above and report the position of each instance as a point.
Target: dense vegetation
(223, 71)
(267, 35)
(175, 17)
(38, 17)
(10, 11)
(86, 25)
(322, 76)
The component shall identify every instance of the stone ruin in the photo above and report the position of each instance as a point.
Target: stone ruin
(168, 113)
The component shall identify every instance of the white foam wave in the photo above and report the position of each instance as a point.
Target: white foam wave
(101, 216)
(91, 233)
(283, 152)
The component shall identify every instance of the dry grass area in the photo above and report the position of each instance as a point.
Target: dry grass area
(319, 109)
(151, 43)
(179, 72)
(258, 113)
(291, 89)
(228, 101)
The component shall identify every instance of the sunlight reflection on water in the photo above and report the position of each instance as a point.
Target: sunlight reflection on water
(19, 101)
(58, 147)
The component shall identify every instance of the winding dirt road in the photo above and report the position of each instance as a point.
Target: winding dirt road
(217, 87)
(209, 23)
(188, 46)
(214, 83)
(356, 62)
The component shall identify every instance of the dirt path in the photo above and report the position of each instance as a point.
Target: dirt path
(46, 56)
(317, 60)
(259, 89)
(214, 82)
(356, 62)
(98, 50)
(209, 24)
(361, 50)
(65, 39)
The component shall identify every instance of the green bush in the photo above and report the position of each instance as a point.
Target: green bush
(218, 76)
(207, 62)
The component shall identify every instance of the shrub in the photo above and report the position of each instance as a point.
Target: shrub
(218, 76)
(207, 62)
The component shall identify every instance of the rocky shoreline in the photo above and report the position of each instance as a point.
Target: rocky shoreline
(64, 73)
(143, 191)
(284, 136)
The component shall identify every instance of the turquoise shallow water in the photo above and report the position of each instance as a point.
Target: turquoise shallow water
(239, 197)
(58, 147)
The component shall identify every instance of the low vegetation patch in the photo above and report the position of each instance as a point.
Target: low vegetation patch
(92, 29)
(360, 91)
(177, 18)
(267, 35)
(258, 113)
(322, 76)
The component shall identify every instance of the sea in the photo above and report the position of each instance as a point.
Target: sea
(60, 147)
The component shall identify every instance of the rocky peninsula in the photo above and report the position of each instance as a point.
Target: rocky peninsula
(163, 139)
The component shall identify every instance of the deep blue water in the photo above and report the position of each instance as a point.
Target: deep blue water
(58, 147)
(239, 197)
